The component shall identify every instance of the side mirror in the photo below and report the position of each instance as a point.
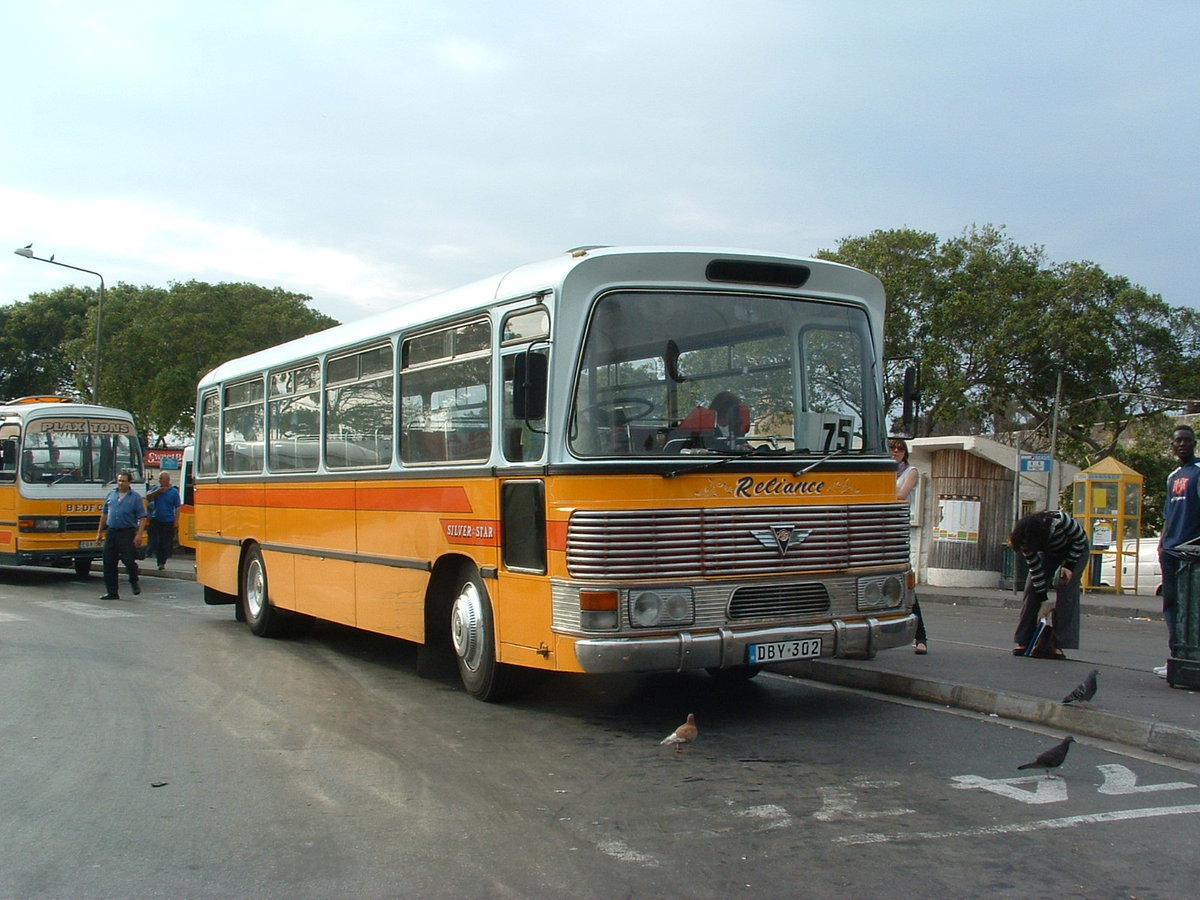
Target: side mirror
(529, 385)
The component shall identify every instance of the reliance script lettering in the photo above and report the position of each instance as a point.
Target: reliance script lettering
(775, 487)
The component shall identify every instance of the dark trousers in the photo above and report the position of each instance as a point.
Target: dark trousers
(1169, 565)
(162, 540)
(1066, 604)
(118, 548)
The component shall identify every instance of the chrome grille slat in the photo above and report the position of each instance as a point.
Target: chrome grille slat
(721, 542)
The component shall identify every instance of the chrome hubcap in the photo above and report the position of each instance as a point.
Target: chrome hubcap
(466, 623)
(254, 589)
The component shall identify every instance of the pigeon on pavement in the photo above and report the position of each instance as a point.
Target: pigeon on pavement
(1085, 690)
(684, 734)
(1052, 758)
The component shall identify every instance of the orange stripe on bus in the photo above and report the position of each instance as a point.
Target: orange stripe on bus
(450, 499)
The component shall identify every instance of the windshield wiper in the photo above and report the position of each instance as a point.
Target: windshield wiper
(824, 459)
(728, 456)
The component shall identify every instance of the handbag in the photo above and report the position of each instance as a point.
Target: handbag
(1044, 645)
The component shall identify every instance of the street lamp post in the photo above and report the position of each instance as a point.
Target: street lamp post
(27, 252)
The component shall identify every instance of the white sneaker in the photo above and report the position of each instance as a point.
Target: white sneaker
(1160, 671)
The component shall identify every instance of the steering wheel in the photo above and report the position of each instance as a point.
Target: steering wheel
(608, 409)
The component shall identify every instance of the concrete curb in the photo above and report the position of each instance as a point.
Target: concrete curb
(1153, 737)
(1086, 608)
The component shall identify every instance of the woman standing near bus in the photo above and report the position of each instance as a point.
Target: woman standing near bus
(907, 477)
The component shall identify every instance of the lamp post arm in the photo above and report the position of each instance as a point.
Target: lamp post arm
(28, 254)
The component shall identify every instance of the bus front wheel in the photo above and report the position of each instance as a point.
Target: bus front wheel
(263, 618)
(473, 636)
(83, 568)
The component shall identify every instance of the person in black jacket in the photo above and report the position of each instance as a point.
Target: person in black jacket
(1056, 550)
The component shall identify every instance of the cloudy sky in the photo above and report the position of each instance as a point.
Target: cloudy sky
(365, 152)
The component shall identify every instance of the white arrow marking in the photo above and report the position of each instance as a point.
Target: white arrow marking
(1119, 780)
(1046, 790)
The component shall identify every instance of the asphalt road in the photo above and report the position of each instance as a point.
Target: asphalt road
(155, 748)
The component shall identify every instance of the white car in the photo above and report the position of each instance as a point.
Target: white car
(1139, 567)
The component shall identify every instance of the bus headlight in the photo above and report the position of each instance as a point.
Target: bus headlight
(599, 610)
(654, 608)
(41, 523)
(880, 592)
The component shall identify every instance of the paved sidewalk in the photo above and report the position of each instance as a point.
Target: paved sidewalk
(970, 666)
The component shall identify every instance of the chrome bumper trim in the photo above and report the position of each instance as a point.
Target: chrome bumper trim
(725, 647)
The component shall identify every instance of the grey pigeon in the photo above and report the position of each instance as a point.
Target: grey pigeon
(1052, 758)
(1085, 690)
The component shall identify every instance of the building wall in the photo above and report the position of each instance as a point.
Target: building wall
(958, 473)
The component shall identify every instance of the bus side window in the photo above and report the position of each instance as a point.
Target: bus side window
(8, 460)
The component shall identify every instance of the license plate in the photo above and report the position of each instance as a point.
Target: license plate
(782, 651)
(90, 545)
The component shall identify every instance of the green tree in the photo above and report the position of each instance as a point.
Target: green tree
(158, 342)
(34, 336)
(994, 325)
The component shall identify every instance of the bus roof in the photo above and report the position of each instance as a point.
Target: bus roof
(31, 407)
(521, 281)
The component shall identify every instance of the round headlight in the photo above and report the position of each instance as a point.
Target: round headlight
(893, 591)
(871, 593)
(647, 608)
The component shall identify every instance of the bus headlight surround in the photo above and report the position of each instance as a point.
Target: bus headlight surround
(880, 592)
(653, 608)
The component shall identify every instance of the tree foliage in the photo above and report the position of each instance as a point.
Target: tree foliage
(998, 331)
(155, 343)
(33, 342)
(993, 325)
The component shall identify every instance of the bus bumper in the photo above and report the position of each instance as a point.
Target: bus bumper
(726, 648)
(57, 558)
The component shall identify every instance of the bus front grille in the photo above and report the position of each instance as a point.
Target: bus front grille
(789, 601)
(712, 543)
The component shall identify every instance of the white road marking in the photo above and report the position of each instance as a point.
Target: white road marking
(1120, 815)
(622, 851)
(1120, 780)
(86, 609)
(1046, 790)
(774, 815)
(12, 617)
(840, 804)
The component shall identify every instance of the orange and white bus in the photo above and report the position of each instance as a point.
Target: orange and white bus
(187, 494)
(619, 460)
(58, 461)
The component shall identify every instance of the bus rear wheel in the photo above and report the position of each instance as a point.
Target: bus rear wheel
(473, 635)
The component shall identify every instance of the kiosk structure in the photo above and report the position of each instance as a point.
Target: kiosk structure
(1108, 503)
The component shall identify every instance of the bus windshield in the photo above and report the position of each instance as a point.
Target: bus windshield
(680, 372)
(79, 451)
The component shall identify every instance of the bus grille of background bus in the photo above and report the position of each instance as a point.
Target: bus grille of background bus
(719, 543)
(81, 523)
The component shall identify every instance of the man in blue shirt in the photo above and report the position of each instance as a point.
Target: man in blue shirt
(164, 503)
(122, 524)
(1181, 523)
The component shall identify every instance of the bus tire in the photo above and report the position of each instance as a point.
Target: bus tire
(734, 674)
(255, 600)
(473, 636)
(83, 568)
